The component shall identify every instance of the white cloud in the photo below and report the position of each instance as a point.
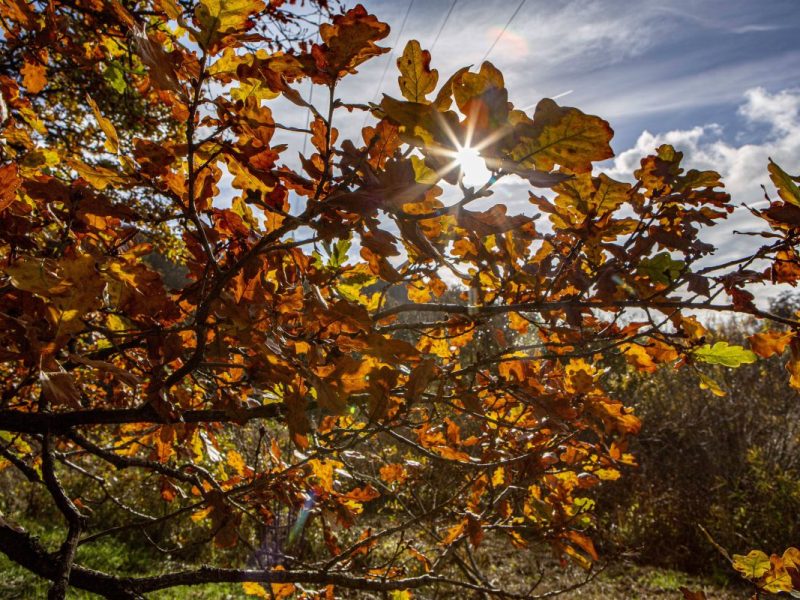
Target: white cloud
(780, 110)
(743, 167)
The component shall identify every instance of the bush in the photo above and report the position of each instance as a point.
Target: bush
(730, 464)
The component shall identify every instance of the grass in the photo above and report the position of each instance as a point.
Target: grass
(620, 580)
(17, 583)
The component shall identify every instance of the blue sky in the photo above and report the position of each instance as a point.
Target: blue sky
(657, 65)
(718, 79)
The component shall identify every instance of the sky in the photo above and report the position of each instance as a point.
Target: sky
(720, 80)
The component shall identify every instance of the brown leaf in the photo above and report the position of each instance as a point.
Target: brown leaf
(60, 389)
(690, 595)
(419, 379)
(9, 184)
(492, 221)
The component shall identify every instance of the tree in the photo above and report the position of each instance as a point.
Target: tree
(276, 380)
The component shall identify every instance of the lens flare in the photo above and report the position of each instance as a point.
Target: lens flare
(473, 167)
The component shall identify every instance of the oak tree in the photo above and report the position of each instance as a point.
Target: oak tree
(366, 367)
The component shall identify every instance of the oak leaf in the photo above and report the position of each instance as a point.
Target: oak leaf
(770, 342)
(724, 354)
(417, 79)
(562, 136)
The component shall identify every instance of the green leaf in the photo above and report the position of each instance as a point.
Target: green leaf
(339, 253)
(115, 77)
(787, 188)
(661, 268)
(752, 566)
(723, 354)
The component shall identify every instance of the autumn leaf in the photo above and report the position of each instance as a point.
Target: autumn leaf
(157, 60)
(777, 579)
(112, 141)
(661, 268)
(416, 79)
(349, 40)
(786, 184)
(393, 473)
(707, 383)
(562, 136)
(220, 18)
(690, 595)
(454, 532)
(753, 565)
(592, 196)
(98, 177)
(770, 343)
(723, 354)
(419, 379)
(9, 184)
(34, 76)
(60, 389)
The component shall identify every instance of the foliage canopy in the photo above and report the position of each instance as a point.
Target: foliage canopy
(308, 359)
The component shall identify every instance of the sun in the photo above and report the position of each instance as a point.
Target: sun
(473, 167)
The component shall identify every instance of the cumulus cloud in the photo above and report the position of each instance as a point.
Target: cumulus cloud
(743, 166)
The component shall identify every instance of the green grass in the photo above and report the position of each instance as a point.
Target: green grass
(621, 581)
(16, 583)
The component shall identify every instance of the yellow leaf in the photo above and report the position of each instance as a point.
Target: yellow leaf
(254, 589)
(786, 184)
(112, 140)
(453, 533)
(608, 474)
(253, 88)
(416, 79)
(777, 579)
(218, 18)
(236, 461)
(562, 136)
(706, 383)
(753, 565)
(98, 177)
(793, 366)
(498, 477)
(419, 292)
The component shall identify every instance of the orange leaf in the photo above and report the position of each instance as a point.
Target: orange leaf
(393, 473)
(34, 76)
(9, 184)
(453, 533)
(770, 342)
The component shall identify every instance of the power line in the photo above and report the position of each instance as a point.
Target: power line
(311, 91)
(441, 28)
(502, 31)
(391, 56)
